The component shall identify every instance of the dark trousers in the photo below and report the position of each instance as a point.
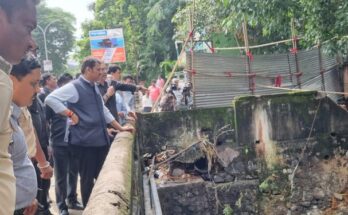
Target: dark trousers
(43, 185)
(91, 160)
(66, 173)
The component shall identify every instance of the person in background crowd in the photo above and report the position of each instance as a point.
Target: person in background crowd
(154, 91)
(128, 97)
(121, 109)
(139, 97)
(49, 83)
(115, 72)
(38, 114)
(160, 81)
(113, 100)
(89, 137)
(25, 77)
(146, 102)
(108, 79)
(17, 21)
(66, 165)
(176, 90)
(107, 92)
(168, 101)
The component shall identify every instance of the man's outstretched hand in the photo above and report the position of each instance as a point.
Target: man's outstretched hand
(128, 128)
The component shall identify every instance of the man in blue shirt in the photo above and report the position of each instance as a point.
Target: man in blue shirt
(121, 109)
(128, 96)
(25, 77)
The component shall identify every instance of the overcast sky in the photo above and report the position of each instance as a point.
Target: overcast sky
(77, 7)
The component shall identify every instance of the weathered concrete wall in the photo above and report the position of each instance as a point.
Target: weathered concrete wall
(289, 117)
(173, 129)
(269, 144)
(205, 198)
(112, 192)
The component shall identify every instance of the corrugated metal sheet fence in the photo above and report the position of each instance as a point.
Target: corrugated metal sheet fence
(218, 79)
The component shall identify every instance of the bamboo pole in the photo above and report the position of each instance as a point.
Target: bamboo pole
(290, 72)
(248, 56)
(294, 51)
(345, 81)
(303, 90)
(192, 58)
(256, 46)
(321, 67)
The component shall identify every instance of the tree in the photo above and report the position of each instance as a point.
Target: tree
(315, 20)
(151, 26)
(60, 36)
(207, 16)
(148, 32)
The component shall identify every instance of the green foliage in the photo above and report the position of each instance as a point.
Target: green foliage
(205, 15)
(227, 210)
(167, 67)
(315, 20)
(60, 36)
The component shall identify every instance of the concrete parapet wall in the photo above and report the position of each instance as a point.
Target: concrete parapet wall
(112, 191)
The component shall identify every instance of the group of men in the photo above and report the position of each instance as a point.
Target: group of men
(92, 124)
(78, 120)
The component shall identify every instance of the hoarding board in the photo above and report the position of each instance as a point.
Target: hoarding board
(108, 45)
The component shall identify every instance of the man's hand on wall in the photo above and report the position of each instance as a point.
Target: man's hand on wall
(112, 132)
(128, 128)
(132, 114)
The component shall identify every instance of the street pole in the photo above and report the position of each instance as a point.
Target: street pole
(44, 30)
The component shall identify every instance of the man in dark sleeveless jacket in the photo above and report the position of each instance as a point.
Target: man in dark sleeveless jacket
(88, 134)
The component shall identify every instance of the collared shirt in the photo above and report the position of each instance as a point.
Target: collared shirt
(160, 83)
(5, 102)
(26, 181)
(7, 179)
(103, 88)
(68, 93)
(146, 101)
(121, 107)
(45, 92)
(154, 92)
(26, 123)
(111, 102)
(128, 100)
